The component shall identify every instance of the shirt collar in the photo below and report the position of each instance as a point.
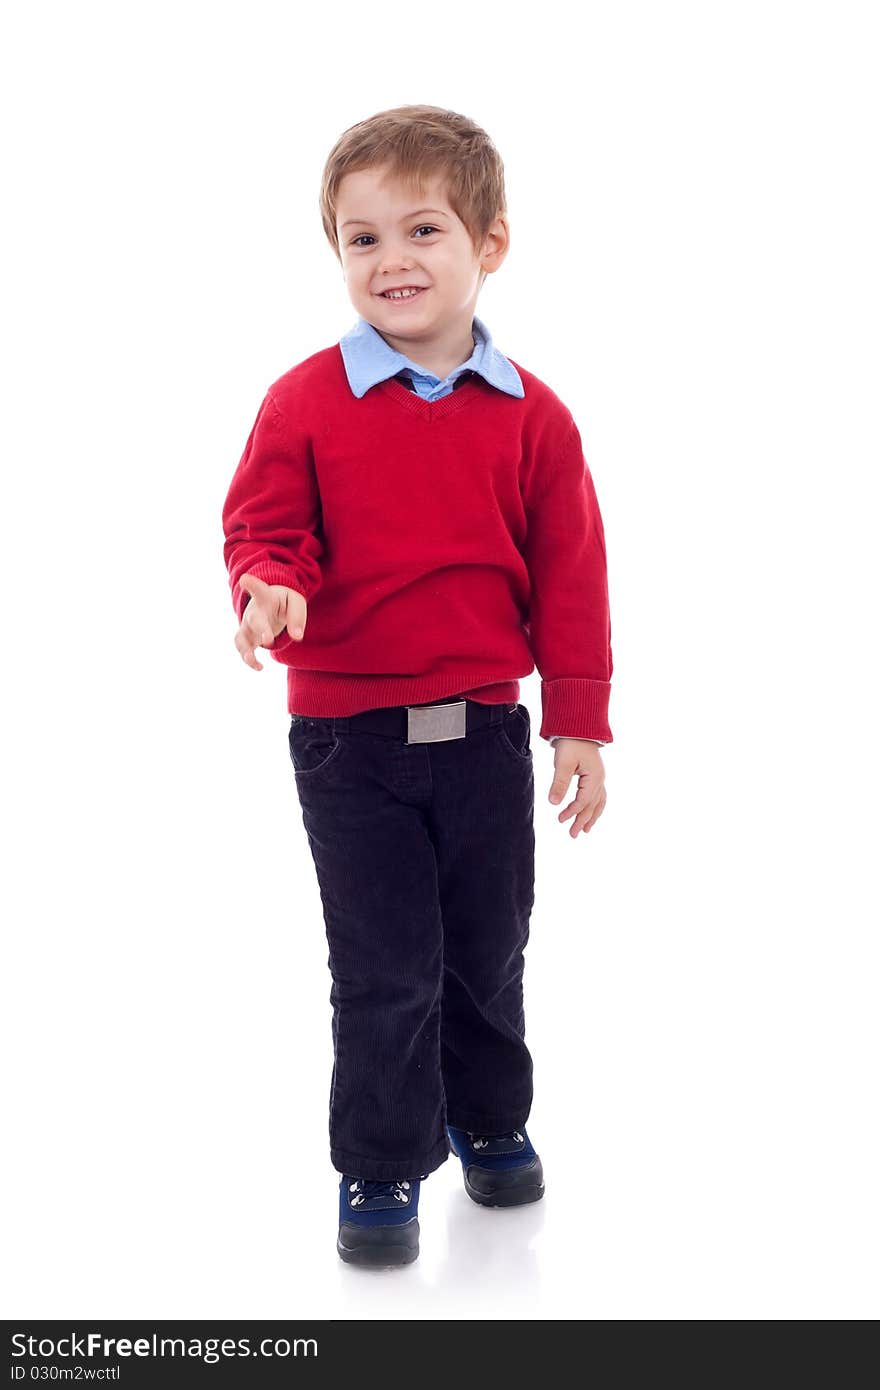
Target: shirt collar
(369, 359)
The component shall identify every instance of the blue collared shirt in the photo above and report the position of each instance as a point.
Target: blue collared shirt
(369, 359)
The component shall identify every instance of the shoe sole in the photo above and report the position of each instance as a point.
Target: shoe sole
(505, 1197)
(378, 1256)
(380, 1249)
(515, 1195)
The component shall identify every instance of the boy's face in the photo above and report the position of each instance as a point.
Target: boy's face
(391, 237)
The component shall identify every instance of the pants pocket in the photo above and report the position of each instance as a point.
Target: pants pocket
(313, 745)
(514, 733)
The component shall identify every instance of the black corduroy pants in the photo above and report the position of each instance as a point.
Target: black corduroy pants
(425, 855)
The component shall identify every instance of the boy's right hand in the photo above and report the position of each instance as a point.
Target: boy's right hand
(272, 608)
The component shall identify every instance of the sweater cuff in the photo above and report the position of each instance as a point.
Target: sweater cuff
(271, 572)
(578, 705)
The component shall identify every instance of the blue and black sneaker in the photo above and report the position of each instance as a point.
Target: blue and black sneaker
(378, 1221)
(500, 1170)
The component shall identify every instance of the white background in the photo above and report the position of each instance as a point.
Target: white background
(693, 267)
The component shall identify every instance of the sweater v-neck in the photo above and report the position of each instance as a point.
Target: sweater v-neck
(430, 411)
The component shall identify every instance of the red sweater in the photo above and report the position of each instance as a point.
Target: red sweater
(442, 547)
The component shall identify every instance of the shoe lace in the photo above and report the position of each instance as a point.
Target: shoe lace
(367, 1189)
(480, 1141)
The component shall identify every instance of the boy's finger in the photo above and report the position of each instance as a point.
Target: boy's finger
(258, 629)
(245, 647)
(580, 821)
(589, 814)
(561, 783)
(252, 585)
(583, 802)
(559, 786)
(587, 820)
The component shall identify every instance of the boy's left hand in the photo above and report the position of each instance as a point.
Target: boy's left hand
(577, 756)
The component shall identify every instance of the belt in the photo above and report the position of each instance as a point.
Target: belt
(446, 719)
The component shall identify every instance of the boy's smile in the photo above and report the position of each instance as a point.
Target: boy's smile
(394, 239)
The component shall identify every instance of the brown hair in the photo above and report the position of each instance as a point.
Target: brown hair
(419, 143)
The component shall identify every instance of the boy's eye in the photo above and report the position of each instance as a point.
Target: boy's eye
(425, 227)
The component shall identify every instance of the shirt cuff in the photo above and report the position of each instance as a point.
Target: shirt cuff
(553, 737)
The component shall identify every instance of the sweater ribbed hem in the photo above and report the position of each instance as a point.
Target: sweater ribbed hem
(324, 694)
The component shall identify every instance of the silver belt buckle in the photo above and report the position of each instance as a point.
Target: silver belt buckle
(433, 723)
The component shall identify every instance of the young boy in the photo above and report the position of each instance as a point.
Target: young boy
(412, 528)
